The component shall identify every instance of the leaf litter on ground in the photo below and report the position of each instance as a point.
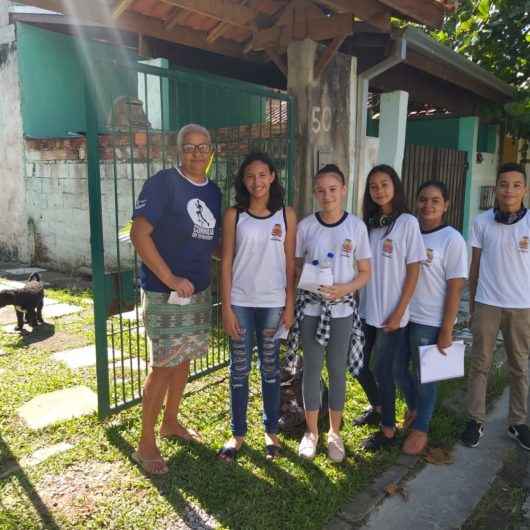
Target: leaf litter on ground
(438, 456)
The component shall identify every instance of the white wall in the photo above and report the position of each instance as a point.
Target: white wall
(484, 174)
(14, 241)
(58, 205)
(370, 158)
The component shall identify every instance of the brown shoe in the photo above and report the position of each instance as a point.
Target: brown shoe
(415, 443)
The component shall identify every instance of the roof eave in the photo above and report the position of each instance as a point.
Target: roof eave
(419, 41)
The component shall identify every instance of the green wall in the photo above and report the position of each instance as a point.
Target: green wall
(435, 133)
(372, 127)
(51, 76)
(487, 138)
(51, 72)
(214, 106)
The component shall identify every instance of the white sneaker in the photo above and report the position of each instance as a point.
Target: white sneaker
(308, 445)
(336, 451)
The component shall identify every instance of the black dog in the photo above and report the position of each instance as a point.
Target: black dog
(28, 302)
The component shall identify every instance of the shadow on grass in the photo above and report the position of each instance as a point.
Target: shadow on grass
(27, 338)
(235, 496)
(45, 516)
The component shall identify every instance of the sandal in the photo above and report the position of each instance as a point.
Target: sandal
(151, 466)
(188, 435)
(272, 451)
(227, 454)
(415, 443)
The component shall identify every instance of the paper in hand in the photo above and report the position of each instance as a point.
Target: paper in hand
(434, 366)
(313, 277)
(174, 298)
(281, 333)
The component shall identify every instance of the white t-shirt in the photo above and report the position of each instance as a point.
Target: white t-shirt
(347, 239)
(391, 255)
(446, 260)
(504, 275)
(259, 276)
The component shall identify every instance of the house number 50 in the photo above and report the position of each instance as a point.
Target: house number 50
(321, 119)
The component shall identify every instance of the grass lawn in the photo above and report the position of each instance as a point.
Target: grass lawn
(95, 484)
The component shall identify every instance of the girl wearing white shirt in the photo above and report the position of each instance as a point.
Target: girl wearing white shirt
(333, 234)
(433, 307)
(258, 270)
(397, 250)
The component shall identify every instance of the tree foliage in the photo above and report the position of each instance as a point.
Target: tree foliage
(496, 35)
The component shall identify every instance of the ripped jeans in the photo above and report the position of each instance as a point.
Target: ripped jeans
(258, 325)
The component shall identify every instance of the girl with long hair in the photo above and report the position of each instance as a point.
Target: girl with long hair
(397, 250)
(433, 308)
(258, 271)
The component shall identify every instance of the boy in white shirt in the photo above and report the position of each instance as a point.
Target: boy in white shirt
(499, 282)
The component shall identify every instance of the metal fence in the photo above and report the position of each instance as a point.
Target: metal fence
(422, 163)
(133, 114)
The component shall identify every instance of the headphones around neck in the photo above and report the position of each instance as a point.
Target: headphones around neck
(380, 221)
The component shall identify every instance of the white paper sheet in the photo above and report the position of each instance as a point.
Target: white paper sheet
(437, 367)
(313, 277)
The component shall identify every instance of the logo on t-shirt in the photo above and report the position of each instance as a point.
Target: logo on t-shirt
(430, 255)
(524, 244)
(388, 248)
(347, 248)
(140, 203)
(276, 234)
(203, 219)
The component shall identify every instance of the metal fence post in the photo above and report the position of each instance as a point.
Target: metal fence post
(96, 247)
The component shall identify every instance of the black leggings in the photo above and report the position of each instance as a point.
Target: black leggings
(366, 377)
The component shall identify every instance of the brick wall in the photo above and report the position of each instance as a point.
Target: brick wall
(57, 200)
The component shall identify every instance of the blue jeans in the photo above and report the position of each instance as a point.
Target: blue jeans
(385, 347)
(258, 325)
(421, 398)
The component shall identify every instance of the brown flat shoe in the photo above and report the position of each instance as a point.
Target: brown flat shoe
(415, 443)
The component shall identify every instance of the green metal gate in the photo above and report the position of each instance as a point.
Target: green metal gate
(133, 113)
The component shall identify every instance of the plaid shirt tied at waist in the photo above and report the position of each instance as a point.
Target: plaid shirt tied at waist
(322, 335)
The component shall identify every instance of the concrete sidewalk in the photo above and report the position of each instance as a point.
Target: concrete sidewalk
(443, 497)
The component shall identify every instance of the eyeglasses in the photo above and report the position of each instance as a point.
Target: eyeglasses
(201, 148)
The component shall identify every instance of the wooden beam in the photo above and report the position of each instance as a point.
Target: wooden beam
(368, 8)
(317, 29)
(94, 13)
(222, 10)
(277, 60)
(427, 12)
(370, 11)
(328, 54)
(144, 47)
(178, 17)
(221, 27)
(120, 8)
(330, 27)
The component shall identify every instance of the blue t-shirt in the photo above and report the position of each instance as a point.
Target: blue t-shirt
(186, 218)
